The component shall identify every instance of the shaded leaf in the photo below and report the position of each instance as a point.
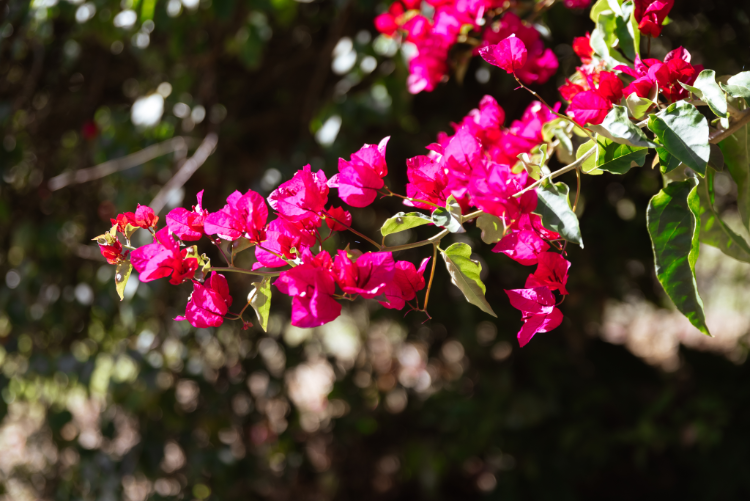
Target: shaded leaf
(739, 85)
(404, 221)
(672, 217)
(449, 217)
(618, 158)
(683, 132)
(554, 207)
(638, 105)
(736, 150)
(714, 231)
(465, 275)
(492, 228)
(260, 299)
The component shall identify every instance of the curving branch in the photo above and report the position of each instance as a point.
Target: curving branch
(191, 165)
(119, 164)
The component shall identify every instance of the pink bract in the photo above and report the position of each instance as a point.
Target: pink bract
(551, 272)
(163, 258)
(311, 285)
(188, 225)
(407, 281)
(243, 216)
(208, 303)
(360, 178)
(509, 54)
(539, 313)
(302, 197)
(368, 276)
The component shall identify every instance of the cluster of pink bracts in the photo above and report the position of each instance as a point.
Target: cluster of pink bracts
(473, 165)
(435, 30)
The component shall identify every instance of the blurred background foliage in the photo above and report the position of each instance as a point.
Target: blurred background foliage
(106, 400)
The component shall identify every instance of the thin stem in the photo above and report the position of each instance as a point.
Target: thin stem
(391, 194)
(288, 261)
(373, 242)
(432, 275)
(720, 136)
(560, 115)
(558, 172)
(430, 241)
(248, 272)
(578, 188)
(217, 243)
(471, 216)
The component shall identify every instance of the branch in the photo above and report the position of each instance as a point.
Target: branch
(719, 136)
(187, 170)
(247, 272)
(119, 164)
(558, 172)
(430, 241)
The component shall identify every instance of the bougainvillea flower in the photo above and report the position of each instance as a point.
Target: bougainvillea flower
(360, 178)
(427, 181)
(577, 4)
(388, 22)
(368, 276)
(143, 217)
(243, 216)
(188, 225)
(540, 64)
(486, 121)
(589, 107)
(493, 192)
(312, 286)
(650, 15)
(509, 54)
(112, 251)
(417, 29)
(163, 258)
(582, 48)
(208, 303)
(539, 313)
(338, 219)
(592, 106)
(285, 238)
(667, 75)
(525, 239)
(407, 281)
(302, 197)
(551, 272)
(428, 67)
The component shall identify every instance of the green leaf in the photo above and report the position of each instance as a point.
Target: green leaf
(604, 37)
(618, 158)
(638, 105)
(736, 150)
(599, 7)
(625, 39)
(556, 213)
(260, 299)
(708, 91)
(628, 9)
(465, 275)
(673, 225)
(739, 86)
(122, 274)
(618, 127)
(667, 161)
(589, 165)
(449, 217)
(683, 132)
(404, 221)
(492, 228)
(714, 231)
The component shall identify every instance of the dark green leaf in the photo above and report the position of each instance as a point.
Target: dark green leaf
(667, 161)
(683, 132)
(736, 150)
(673, 226)
(618, 158)
(404, 221)
(708, 91)
(556, 213)
(465, 275)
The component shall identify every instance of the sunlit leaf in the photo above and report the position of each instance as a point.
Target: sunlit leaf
(404, 221)
(554, 207)
(708, 91)
(683, 132)
(465, 273)
(260, 299)
(122, 274)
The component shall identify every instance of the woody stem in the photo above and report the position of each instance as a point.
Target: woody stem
(430, 241)
(578, 188)
(558, 172)
(373, 242)
(391, 194)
